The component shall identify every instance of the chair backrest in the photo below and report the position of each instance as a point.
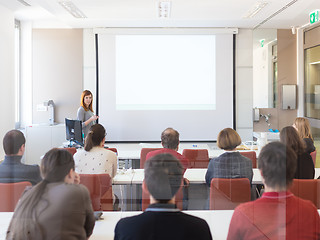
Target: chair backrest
(308, 189)
(178, 200)
(314, 157)
(100, 189)
(198, 158)
(227, 193)
(72, 150)
(112, 149)
(143, 155)
(251, 155)
(10, 193)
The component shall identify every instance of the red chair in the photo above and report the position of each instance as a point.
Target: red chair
(251, 155)
(10, 194)
(314, 157)
(113, 150)
(198, 158)
(227, 193)
(143, 155)
(178, 200)
(308, 189)
(72, 150)
(100, 189)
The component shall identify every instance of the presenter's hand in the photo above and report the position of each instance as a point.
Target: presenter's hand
(94, 117)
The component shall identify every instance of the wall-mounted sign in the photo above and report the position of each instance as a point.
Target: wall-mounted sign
(314, 16)
(262, 42)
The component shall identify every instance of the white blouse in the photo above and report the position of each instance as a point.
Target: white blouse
(98, 160)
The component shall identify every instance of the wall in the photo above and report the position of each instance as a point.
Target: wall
(57, 68)
(287, 74)
(7, 119)
(244, 92)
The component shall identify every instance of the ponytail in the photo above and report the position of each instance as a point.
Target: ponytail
(95, 136)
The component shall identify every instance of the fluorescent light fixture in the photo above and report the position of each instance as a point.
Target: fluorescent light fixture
(164, 9)
(24, 3)
(72, 9)
(315, 63)
(255, 9)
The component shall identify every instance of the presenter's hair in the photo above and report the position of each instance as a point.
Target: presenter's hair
(55, 166)
(278, 164)
(289, 136)
(12, 142)
(163, 176)
(95, 136)
(228, 139)
(86, 93)
(170, 138)
(303, 127)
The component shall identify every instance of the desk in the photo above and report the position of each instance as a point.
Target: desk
(218, 221)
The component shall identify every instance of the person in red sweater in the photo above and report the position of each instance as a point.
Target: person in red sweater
(170, 142)
(278, 214)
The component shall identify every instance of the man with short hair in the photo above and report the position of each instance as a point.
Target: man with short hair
(11, 169)
(162, 219)
(278, 214)
(170, 142)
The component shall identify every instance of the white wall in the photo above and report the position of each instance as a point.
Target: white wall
(244, 90)
(7, 98)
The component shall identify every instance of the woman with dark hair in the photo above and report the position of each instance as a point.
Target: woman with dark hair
(55, 208)
(94, 158)
(302, 125)
(85, 112)
(305, 168)
(230, 164)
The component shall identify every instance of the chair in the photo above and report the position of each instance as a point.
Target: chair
(143, 155)
(308, 189)
(10, 194)
(100, 189)
(251, 155)
(113, 150)
(198, 158)
(314, 157)
(72, 150)
(227, 193)
(178, 201)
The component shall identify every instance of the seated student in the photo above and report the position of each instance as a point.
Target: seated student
(11, 169)
(305, 167)
(55, 208)
(162, 220)
(95, 159)
(302, 125)
(170, 142)
(278, 214)
(230, 164)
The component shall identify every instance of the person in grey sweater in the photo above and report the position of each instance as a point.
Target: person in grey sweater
(85, 112)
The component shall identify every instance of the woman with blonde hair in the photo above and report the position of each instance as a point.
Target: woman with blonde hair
(55, 208)
(85, 112)
(302, 125)
(230, 164)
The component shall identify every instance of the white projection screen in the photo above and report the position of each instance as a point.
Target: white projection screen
(150, 81)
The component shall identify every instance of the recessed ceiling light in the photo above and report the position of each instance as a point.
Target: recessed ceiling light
(164, 9)
(255, 9)
(72, 9)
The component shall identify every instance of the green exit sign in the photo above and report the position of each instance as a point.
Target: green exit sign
(314, 16)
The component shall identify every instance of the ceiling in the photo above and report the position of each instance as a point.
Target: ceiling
(184, 13)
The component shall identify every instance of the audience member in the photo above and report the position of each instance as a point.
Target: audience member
(302, 125)
(94, 158)
(55, 208)
(305, 167)
(162, 219)
(230, 164)
(12, 169)
(278, 214)
(170, 142)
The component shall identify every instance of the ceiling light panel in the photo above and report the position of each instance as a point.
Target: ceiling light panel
(255, 9)
(164, 9)
(72, 9)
